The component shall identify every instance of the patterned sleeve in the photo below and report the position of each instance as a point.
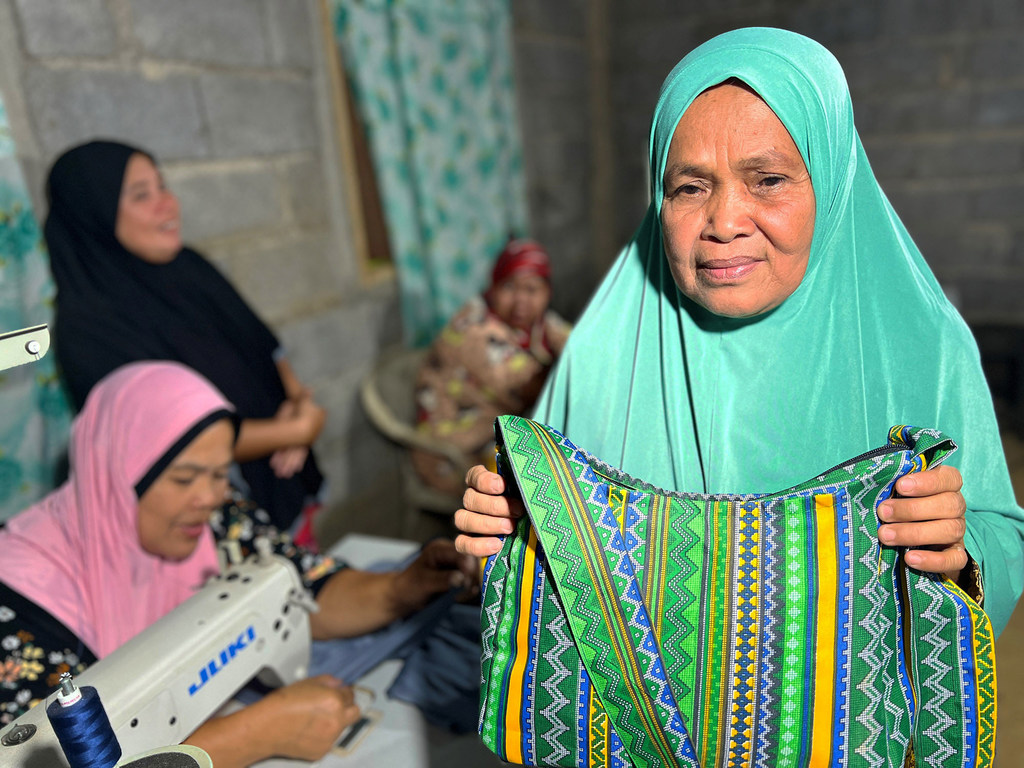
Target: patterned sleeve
(35, 649)
(240, 522)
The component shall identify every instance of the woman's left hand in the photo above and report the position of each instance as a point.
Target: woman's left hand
(927, 516)
(438, 568)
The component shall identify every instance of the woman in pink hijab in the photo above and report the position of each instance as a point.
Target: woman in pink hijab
(128, 538)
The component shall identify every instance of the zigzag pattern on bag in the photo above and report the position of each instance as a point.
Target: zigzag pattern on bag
(627, 625)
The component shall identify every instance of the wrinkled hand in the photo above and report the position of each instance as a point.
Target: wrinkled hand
(438, 568)
(310, 715)
(486, 514)
(929, 517)
(312, 417)
(308, 418)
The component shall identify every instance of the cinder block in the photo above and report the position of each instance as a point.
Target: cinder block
(832, 23)
(339, 395)
(289, 279)
(995, 58)
(70, 106)
(883, 67)
(1002, 107)
(323, 346)
(993, 298)
(1000, 201)
(66, 27)
(223, 32)
(953, 249)
(567, 18)
(552, 68)
(933, 17)
(288, 32)
(216, 202)
(656, 43)
(922, 207)
(306, 193)
(328, 344)
(944, 157)
(931, 110)
(257, 116)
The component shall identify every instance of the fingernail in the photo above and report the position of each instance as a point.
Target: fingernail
(908, 483)
(913, 559)
(885, 511)
(886, 534)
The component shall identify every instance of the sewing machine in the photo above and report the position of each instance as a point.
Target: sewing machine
(250, 621)
(24, 346)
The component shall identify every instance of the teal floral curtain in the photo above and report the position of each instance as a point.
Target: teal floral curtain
(34, 414)
(433, 84)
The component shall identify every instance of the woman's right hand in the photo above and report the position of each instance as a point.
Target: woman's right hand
(300, 721)
(486, 513)
(311, 715)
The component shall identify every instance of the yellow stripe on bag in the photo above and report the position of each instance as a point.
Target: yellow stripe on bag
(514, 710)
(825, 640)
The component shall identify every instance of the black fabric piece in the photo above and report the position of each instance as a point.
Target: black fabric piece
(164, 461)
(113, 308)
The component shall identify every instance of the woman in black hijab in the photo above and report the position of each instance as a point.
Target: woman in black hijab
(127, 290)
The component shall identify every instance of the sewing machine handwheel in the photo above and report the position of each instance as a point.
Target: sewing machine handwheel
(181, 756)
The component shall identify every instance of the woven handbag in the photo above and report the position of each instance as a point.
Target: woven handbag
(627, 625)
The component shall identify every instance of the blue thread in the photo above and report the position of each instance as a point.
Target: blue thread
(84, 731)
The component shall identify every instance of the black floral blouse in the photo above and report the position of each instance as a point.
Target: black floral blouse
(36, 648)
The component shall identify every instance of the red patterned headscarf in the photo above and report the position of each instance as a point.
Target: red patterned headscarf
(521, 256)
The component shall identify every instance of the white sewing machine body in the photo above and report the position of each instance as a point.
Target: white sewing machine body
(250, 621)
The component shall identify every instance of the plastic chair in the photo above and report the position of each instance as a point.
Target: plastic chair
(388, 397)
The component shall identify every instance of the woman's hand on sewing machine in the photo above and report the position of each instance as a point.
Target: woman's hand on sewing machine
(301, 721)
(310, 715)
(355, 602)
(438, 568)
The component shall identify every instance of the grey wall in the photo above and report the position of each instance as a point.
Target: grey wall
(562, 77)
(231, 97)
(938, 93)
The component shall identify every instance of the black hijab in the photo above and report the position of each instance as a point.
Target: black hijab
(114, 308)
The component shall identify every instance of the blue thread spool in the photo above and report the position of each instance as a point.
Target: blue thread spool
(82, 726)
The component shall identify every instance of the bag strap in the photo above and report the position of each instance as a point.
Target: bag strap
(600, 594)
(946, 636)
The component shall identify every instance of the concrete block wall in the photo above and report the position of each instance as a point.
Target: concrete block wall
(562, 76)
(231, 97)
(938, 93)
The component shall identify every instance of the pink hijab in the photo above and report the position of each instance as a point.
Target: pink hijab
(76, 553)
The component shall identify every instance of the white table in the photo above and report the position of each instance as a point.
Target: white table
(400, 737)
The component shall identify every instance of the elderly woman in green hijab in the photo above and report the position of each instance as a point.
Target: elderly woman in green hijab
(772, 316)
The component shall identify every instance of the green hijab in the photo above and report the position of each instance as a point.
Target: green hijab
(657, 386)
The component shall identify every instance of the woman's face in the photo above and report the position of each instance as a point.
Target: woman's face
(521, 299)
(148, 219)
(175, 510)
(738, 209)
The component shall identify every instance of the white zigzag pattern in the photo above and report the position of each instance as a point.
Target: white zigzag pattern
(556, 727)
(933, 704)
(877, 626)
(574, 583)
(487, 642)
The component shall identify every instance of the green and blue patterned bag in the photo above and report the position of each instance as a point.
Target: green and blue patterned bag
(626, 625)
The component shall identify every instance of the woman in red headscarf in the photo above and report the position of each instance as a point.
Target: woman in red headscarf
(491, 359)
